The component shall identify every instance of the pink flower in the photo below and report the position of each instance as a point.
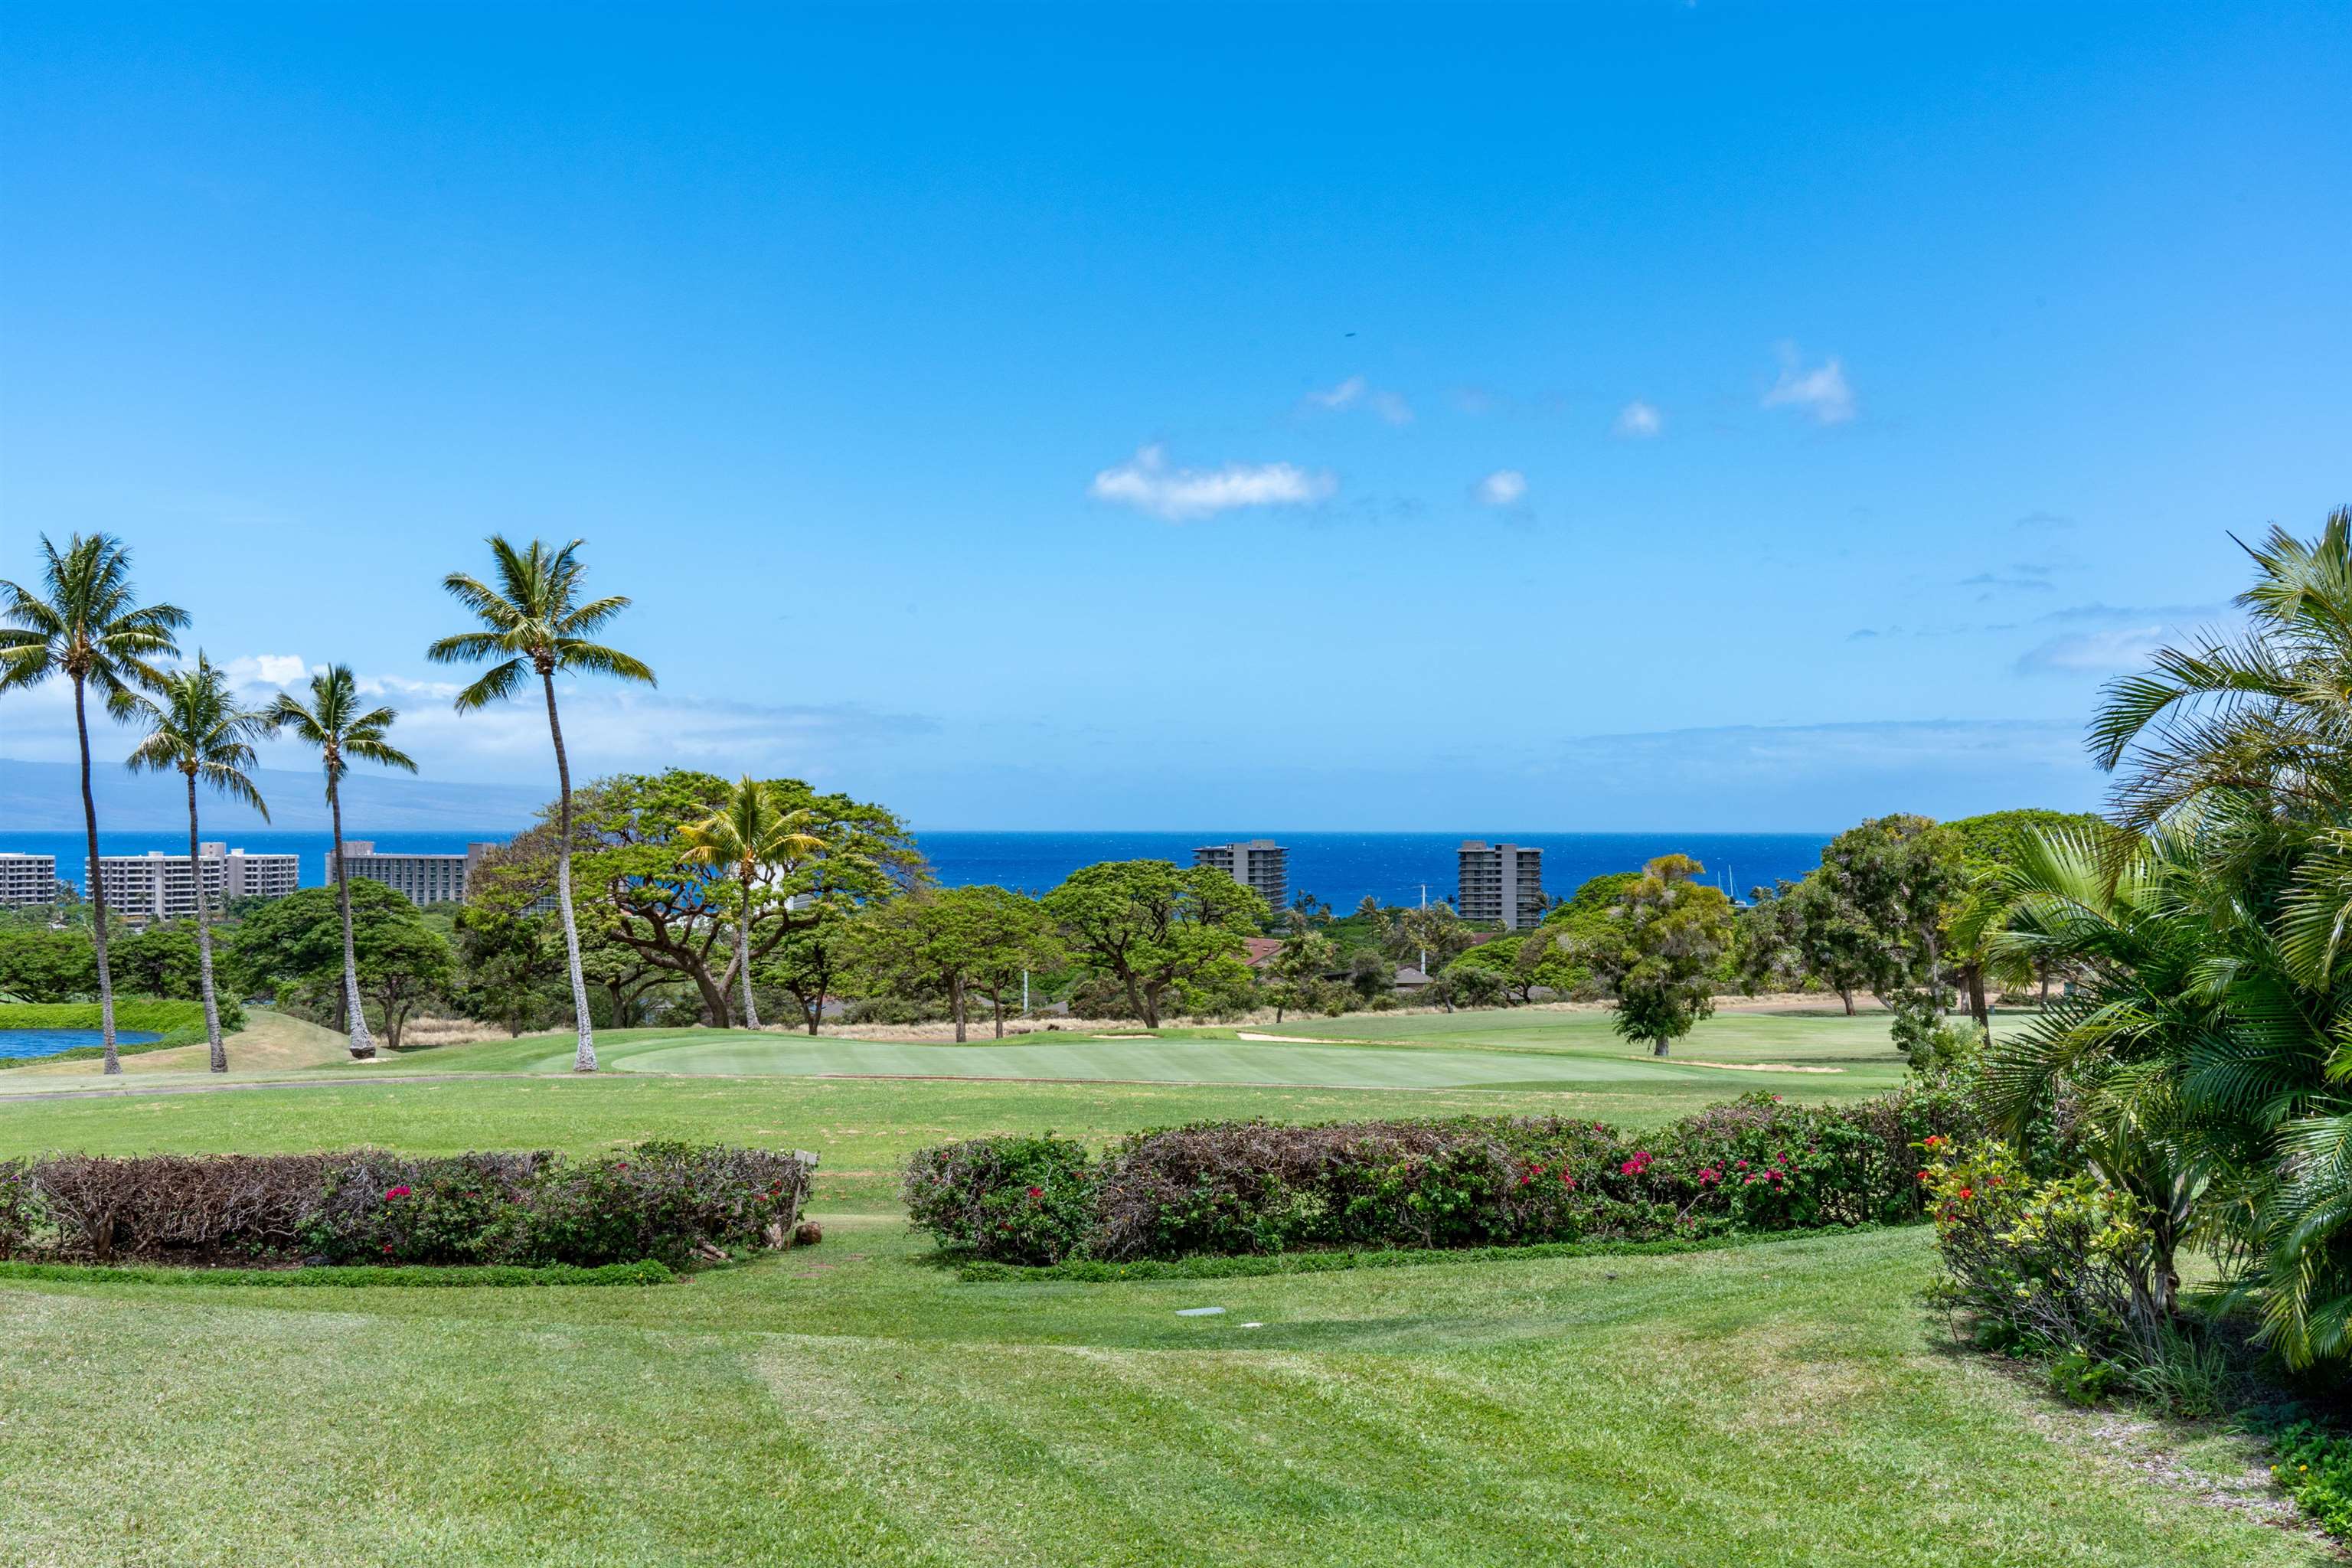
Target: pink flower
(1567, 1181)
(1036, 1192)
(395, 1192)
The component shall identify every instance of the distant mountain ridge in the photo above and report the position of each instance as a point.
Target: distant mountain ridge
(46, 797)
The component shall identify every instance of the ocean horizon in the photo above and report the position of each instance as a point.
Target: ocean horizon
(1340, 869)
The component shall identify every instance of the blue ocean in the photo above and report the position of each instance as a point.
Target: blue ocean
(1339, 868)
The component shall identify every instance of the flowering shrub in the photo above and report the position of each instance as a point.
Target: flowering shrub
(2061, 1268)
(1013, 1199)
(665, 1202)
(1226, 1188)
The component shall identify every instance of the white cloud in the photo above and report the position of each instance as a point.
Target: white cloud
(1639, 419)
(1180, 495)
(1347, 392)
(1821, 392)
(266, 669)
(1504, 487)
(1356, 391)
(2119, 650)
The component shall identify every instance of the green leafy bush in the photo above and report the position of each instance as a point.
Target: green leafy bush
(2314, 1467)
(2060, 1267)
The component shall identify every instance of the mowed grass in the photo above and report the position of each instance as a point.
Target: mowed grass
(1785, 1403)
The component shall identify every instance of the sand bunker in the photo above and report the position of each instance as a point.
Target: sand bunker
(1295, 1039)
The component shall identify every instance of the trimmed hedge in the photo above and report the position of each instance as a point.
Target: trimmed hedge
(671, 1203)
(644, 1271)
(179, 1024)
(1239, 1188)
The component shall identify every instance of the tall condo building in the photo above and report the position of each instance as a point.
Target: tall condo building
(27, 879)
(1260, 863)
(421, 879)
(1501, 882)
(160, 887)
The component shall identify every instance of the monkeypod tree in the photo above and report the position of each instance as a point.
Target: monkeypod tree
(1156, 931)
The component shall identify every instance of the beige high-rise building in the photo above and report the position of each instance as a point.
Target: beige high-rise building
(27, 879)
(1257, 863)
(422, 879)
(1501, 882)
(159, 887)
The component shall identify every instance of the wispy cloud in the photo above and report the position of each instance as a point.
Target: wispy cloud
(2115, 650)
(1181, 495)
(1347, 392)
(1356, 391)
(1639, 420)
(1504, 487)
(2022, 576)
(1821, 392)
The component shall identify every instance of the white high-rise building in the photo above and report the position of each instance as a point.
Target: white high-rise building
(158, 887)
(423, 878)
(1258, 863)
(27, 879)
(1501, 882)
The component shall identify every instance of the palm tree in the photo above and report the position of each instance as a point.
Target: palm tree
(195, 727)
(753, 831)
(537, 624)
(335, 724)
(85, 625)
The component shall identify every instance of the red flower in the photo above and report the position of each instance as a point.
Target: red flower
(1968, 1192)
(1567, 1181)
(395, 1192)
(1036, 1192)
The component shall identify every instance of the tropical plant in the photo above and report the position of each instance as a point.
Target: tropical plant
(334, 723)
(751, 833)
(86, 625)
(2126, 1052)
(2237, 746)
(196, 728)
(535, 623)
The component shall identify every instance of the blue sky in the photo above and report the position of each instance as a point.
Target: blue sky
(1602, 417)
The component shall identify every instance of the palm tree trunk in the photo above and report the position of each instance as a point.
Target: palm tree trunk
(219, 1062)
(362, 1047)
(955, 997)
(743, 958)
(584, 1059)
(97, 891)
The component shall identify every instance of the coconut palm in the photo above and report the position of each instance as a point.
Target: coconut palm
(537, 624)
(752, 832)
(335, 723)
(196, 728)
(85, 625)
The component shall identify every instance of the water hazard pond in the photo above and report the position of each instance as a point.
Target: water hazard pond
(48, 1042)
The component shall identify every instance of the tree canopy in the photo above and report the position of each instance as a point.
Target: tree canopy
(1158, 932)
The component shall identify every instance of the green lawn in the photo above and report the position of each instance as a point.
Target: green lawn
(1777, 1404)
(1789, 1402)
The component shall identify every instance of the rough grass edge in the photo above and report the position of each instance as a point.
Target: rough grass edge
(647, 1271)
(1093, 1271)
